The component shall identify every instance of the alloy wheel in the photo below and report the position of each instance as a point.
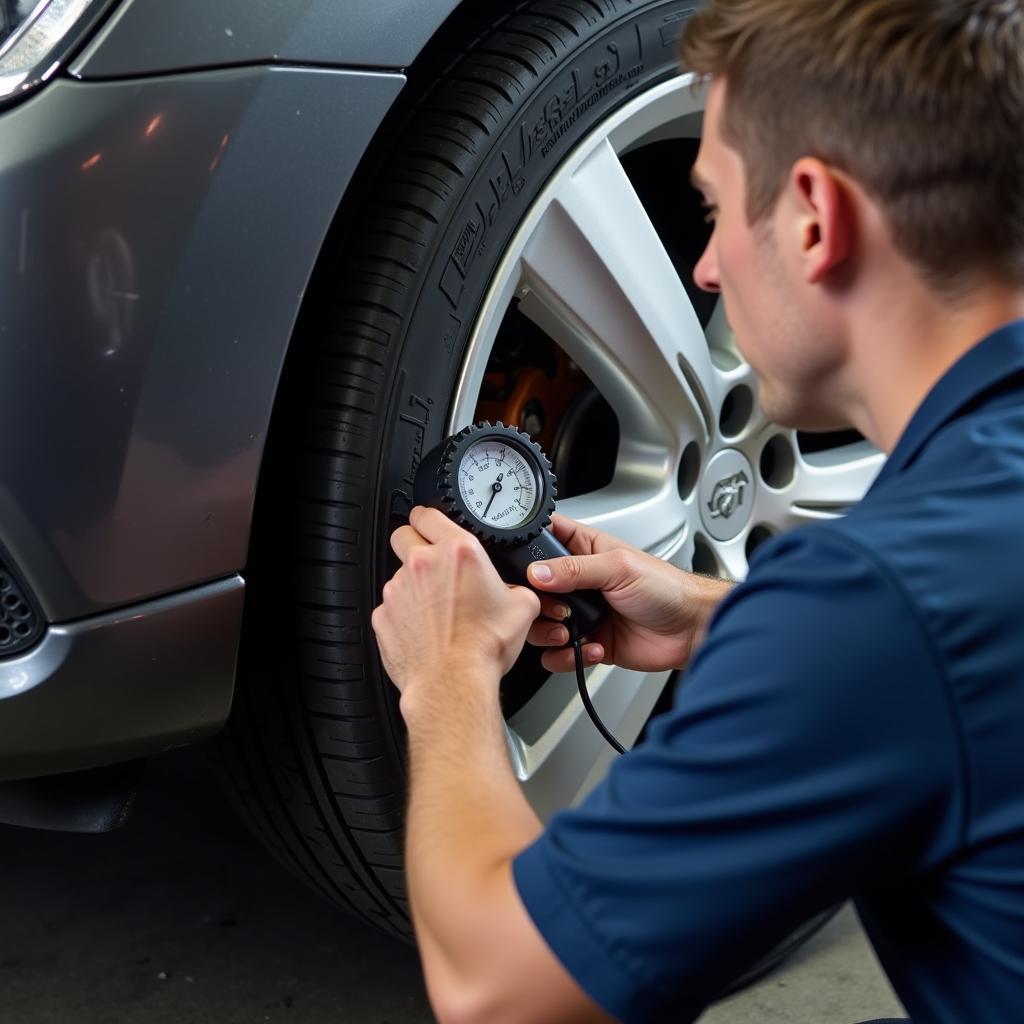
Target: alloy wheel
(700, 476)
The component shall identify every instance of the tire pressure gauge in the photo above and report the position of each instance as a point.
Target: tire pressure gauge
(497, 483)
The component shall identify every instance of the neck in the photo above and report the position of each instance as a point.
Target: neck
(905, 341)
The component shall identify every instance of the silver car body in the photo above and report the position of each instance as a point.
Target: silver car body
(163, 201)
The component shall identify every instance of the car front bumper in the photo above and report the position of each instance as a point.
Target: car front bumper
(121, 685)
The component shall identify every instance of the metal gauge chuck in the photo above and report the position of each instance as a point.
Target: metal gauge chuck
(497, 483)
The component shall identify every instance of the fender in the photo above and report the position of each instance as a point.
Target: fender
(147, 37)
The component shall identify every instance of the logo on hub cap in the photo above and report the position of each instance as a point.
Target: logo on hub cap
(727, 490)
(728, 495)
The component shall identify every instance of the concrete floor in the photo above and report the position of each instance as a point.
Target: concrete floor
(181, 918)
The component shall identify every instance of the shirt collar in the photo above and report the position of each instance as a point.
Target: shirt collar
(993, 360)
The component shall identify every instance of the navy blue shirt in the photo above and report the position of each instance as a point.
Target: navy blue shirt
(853, 727)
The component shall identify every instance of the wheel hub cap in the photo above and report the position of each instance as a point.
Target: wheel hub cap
(727, 494)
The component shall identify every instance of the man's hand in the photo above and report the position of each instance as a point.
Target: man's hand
(447, 609)
(659, 613)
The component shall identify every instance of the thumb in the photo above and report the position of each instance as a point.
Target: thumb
(578, 572)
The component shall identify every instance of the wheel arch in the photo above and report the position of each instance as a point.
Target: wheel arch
(150, 36)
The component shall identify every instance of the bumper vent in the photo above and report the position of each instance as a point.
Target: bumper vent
(20, 624)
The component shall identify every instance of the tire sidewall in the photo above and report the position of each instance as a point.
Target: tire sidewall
(624, 56)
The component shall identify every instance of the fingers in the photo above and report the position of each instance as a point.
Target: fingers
(554, 608)
(404, 539)
(434, 525)
(580, 572)
(579, 539)
(564, 660)
(544, 633)
(427, 526)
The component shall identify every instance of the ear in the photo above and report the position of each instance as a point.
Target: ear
(824, 218)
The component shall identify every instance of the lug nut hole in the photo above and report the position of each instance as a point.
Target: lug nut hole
(757, 536)
(689, 470)
(737, 410)
(778, 463)
(705, 561)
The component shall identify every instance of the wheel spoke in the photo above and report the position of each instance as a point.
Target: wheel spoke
(680, 550)
(557, 752)
(720, 337)
(732, 369)
(833, 481)
(597, 279)
(826, 485)
(649, 518)
(733, 556)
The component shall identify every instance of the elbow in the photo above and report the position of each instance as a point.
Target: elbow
(454, 1011)
(459, 1003)
(455, 1004)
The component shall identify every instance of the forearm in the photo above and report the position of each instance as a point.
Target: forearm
(467, 820)
(703, 595)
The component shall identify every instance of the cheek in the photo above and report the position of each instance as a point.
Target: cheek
(740, 282)
(737, 257)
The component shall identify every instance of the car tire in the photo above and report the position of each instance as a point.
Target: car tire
(315, 746)
(314, 752)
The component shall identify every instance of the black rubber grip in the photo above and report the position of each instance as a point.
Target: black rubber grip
(589, 607)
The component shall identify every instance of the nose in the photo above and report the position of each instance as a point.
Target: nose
(706, 271)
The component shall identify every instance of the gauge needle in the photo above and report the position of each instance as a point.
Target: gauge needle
(495, 487)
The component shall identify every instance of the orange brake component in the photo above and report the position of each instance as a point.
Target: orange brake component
(537, 402)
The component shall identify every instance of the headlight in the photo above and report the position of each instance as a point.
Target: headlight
(34, 36)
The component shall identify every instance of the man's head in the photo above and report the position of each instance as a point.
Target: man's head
(915, 107)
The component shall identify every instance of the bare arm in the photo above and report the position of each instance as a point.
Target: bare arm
(448, 629)
(482, 956)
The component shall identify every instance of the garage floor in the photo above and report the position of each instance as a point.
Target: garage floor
(182, 919)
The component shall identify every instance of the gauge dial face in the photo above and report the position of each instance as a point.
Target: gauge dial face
(499, 484)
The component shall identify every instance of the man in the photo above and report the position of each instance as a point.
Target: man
(852, 725)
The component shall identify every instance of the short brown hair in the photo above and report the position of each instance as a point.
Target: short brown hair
(920, 101)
